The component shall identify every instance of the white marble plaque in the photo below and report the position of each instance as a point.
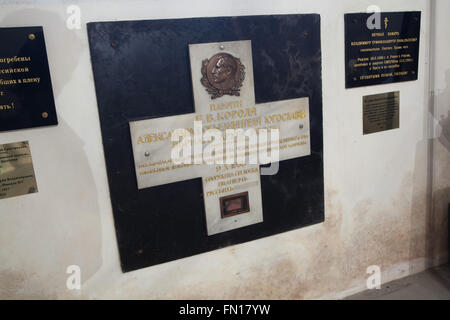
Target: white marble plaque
(152, 146)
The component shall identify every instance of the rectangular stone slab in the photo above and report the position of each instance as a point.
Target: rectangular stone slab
(141, 71)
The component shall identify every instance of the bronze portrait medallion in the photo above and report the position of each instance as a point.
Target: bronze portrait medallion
(223, 74)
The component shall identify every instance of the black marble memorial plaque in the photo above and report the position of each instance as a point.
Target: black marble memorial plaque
(142, 70)
(26, 95)
(378, 56)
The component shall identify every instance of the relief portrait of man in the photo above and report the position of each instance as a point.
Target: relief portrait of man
(223, 74)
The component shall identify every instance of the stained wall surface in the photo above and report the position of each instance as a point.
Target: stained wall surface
(386, 194)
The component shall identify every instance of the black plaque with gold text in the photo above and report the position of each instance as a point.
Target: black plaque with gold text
(26, 95)
(381, 48)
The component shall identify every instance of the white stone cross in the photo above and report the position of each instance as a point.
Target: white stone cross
(232, 193)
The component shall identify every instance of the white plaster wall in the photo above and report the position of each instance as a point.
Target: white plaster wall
(439, 126)
(376, 186)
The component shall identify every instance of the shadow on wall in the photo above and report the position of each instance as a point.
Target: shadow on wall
(444, 120)
(429, 217)
(66, 230)
(441, 172)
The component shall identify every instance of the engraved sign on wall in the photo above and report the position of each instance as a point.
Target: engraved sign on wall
(381, 48)
(26, 94)
(381, 112)
(16, 170)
